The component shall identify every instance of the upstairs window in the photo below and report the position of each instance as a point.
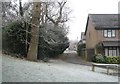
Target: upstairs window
(109, 33)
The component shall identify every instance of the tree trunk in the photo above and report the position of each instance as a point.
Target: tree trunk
(33, 47)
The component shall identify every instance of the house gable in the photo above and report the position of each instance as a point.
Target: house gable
(91, 36)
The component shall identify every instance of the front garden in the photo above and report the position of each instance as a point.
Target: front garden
(106, 59)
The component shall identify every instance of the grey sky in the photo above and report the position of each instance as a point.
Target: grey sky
(81, 9)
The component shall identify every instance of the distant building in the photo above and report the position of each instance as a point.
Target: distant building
(83, 39)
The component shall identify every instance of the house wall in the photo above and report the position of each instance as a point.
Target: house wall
(99, 35)
(91, 40)
(91, 36)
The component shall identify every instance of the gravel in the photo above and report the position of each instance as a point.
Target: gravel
(21, 70)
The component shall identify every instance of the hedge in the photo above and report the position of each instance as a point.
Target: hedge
(113, 59)
(106, 59)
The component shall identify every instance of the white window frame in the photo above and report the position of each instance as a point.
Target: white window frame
(109, 51)
(109, 33)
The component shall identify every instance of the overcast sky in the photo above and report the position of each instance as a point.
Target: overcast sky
(81, 9)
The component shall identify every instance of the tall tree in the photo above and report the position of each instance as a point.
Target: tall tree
(33, 47)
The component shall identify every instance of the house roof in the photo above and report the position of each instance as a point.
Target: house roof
(102, 21)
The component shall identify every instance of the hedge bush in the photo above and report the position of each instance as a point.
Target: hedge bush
(106, 59)
(113, 59)
(80, 48)
(12, 36)
(99, 58)
(99, 48)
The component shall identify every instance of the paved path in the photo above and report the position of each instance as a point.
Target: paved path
(72, 57)
(20, 70)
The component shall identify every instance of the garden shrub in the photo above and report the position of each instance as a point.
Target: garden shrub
(80, 48)
(12, 38)
(99, 58)
(99, 48)
(106, 59)
(113, 59)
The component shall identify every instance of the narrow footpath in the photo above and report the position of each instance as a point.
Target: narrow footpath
(72, 57)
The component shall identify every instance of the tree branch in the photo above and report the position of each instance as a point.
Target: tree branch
(61, 5)
(59, 18)
(48, 16)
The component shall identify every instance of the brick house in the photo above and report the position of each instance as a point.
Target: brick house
(102, 28)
